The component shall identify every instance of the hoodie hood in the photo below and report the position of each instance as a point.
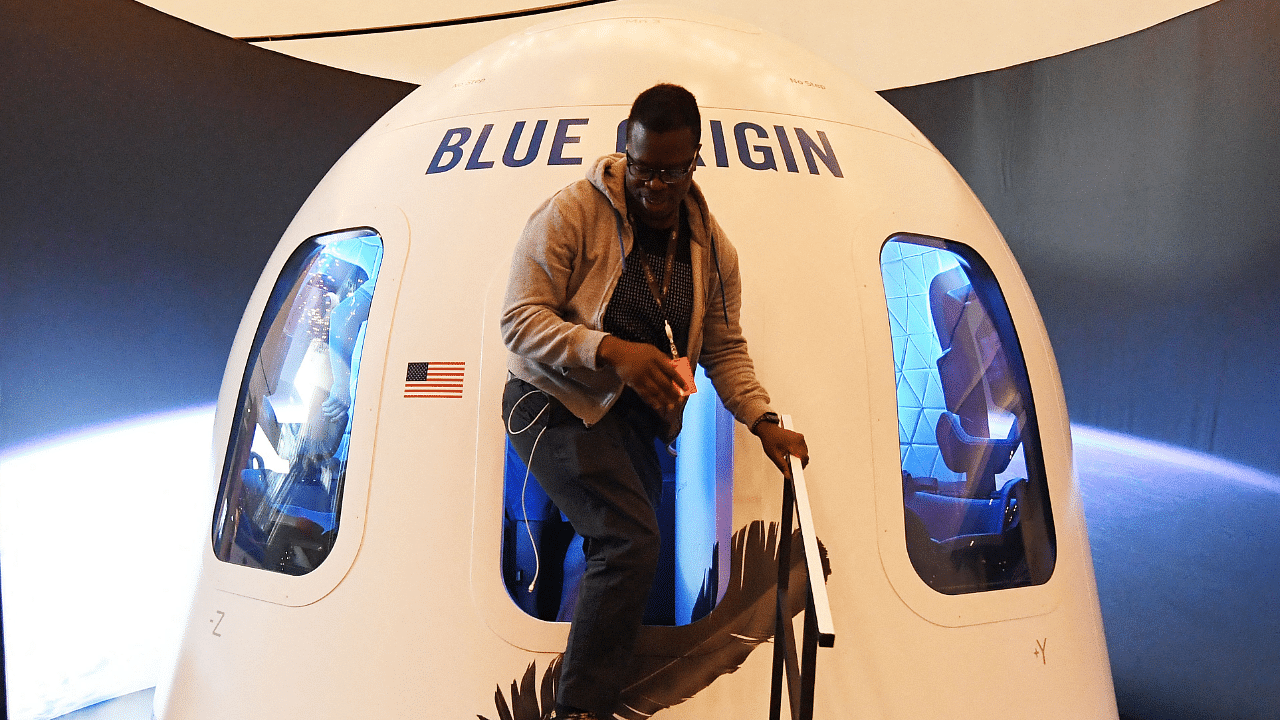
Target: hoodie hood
(608, 175)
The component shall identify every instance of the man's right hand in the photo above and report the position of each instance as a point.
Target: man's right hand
(645, 369)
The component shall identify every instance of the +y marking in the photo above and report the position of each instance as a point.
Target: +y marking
(1040, 651)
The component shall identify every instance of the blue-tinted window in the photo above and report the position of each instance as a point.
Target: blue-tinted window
(973, 487)
(281, 491)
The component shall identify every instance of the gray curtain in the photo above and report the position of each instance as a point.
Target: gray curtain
(1138, 183)
(149, 168)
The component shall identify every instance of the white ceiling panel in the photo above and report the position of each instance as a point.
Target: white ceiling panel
(887, 44)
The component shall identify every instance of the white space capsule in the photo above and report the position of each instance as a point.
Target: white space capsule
(372, 551)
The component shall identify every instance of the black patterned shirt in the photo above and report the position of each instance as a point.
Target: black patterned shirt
(633, 314)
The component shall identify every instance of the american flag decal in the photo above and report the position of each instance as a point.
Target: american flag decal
(434, 379)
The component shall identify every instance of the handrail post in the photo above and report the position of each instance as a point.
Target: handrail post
(781, 629)
(808, 658)
(819, 630)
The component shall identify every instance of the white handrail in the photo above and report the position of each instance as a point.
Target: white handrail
(813, 560)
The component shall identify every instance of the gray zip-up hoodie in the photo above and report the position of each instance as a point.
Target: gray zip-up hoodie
(563, 273)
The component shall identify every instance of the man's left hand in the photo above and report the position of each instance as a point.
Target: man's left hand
(779, 443)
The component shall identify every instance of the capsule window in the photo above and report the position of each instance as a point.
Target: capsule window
(975, 501)
(542, 556)
(280, 496)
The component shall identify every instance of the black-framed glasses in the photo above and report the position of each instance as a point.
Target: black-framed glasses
(667, 175)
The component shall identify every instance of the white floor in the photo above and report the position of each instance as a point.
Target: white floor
(100, 538)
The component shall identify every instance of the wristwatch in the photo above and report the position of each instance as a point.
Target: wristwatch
(769, 417)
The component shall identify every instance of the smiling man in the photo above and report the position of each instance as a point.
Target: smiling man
(619, 284)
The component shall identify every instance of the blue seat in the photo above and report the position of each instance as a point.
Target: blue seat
(975, 378)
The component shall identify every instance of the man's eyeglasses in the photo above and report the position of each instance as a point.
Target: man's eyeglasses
(666, 175)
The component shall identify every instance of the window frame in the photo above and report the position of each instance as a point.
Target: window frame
(389, 223)
(1042, 376)
(277, 338)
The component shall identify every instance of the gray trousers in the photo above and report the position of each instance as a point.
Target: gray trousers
(606, 479)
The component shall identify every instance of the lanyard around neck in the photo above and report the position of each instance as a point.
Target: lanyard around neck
(660, 294)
